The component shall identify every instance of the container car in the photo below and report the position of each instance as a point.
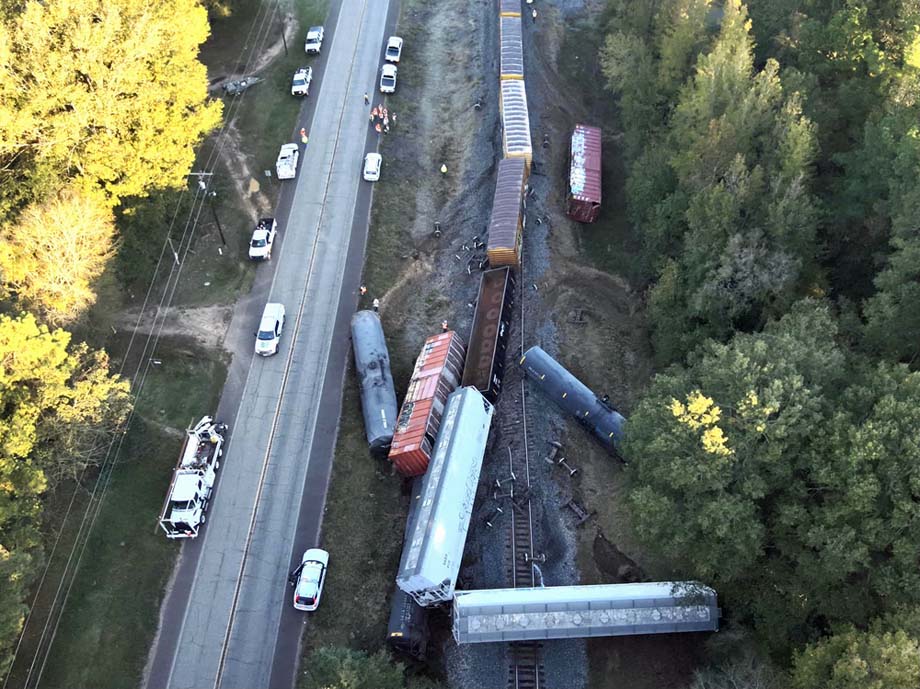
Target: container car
(509, 8)
(485, 355)
(372, 365)
(512, 48)
(437, 374)
(431, 556)
(507, 220)
(516, 141)
(573, 396)
(562, 612)
(583, 199)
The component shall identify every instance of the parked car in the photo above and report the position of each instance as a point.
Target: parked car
(263, 238)
(388, 79)
(394, 49)
(308, 579)
(300, 84)
(286, 165)
(372, 164)
(269, 335)
(314, 42)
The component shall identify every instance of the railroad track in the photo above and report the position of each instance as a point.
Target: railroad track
(525, 670)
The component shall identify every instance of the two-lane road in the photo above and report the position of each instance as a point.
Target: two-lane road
(238, 629)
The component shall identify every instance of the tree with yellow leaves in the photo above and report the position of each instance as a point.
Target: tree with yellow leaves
(54, 252)
(108, 93)
(60, 406)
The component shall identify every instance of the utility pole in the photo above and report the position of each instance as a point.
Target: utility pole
(283, 39)
(220, 230)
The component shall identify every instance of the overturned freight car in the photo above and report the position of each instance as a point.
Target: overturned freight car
(506, 224)
(573, 396)
(431, 556)
(485, 355)
(437, 373)
(583, 199)
(372, 365)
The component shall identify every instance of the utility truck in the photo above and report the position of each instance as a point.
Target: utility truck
(193, 479)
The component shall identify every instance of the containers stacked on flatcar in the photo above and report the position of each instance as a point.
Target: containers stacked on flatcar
(515, 121)
(583, 200)
(372, 365)
(573, 396)
(511, 65)
(431, 556)
(485, 355)
(507, 222)
(437, 373)
(509, 8)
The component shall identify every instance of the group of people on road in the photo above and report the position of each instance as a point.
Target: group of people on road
(380, 117)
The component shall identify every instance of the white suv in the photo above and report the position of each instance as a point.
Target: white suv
(269, 335)
(388, 79)
(314, 42)
(308, 579)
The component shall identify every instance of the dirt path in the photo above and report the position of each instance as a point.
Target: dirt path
(248, 189)
(207, 325)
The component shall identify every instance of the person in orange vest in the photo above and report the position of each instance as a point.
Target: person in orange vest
(378, 128)
(303, 135)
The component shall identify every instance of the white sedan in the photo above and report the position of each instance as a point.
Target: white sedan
(394, 49)
(388, 79)
(286, 165)
(308, 579)
(372, 164)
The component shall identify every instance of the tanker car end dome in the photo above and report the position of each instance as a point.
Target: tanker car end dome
(574, 397)
(372, 366)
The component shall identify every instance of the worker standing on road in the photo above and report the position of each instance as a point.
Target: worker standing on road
(376, 305)
(303, 135)
(533, 15)
(367, 99)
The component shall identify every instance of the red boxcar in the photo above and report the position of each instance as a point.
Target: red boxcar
(583, 201)
(437, 374)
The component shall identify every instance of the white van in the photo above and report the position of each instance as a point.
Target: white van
(270, 328)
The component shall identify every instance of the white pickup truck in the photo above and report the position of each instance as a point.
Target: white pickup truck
(314, 42)
(193, 479)
(300, 84)
(286, 165)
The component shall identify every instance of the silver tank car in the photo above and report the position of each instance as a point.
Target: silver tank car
(372, 364)
(573, 396)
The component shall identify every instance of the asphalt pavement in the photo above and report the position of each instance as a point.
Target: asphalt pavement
(228, 621)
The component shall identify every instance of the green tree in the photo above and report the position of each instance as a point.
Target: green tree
(55, 250)
(109, 93)
(885, 656)
(343, 668)
(784, 472)
(60, 406)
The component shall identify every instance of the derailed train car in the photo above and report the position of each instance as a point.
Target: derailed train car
(431, 556)
(485, 355)
(407, 629)
(573, 396)
(372, 366)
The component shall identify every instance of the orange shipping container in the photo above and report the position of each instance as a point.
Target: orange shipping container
(437, 374)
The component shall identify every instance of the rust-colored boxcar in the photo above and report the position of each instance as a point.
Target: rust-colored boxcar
(437, 373)
(485, 355)
(507, 221)
(583, 200)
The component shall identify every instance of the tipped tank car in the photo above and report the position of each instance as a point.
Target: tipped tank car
(431, 556)
(485, 356)
(407, 629)
(372, 365)
(574, 397)
(437, 374)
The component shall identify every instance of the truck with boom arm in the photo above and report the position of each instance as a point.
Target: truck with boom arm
(193, 479)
